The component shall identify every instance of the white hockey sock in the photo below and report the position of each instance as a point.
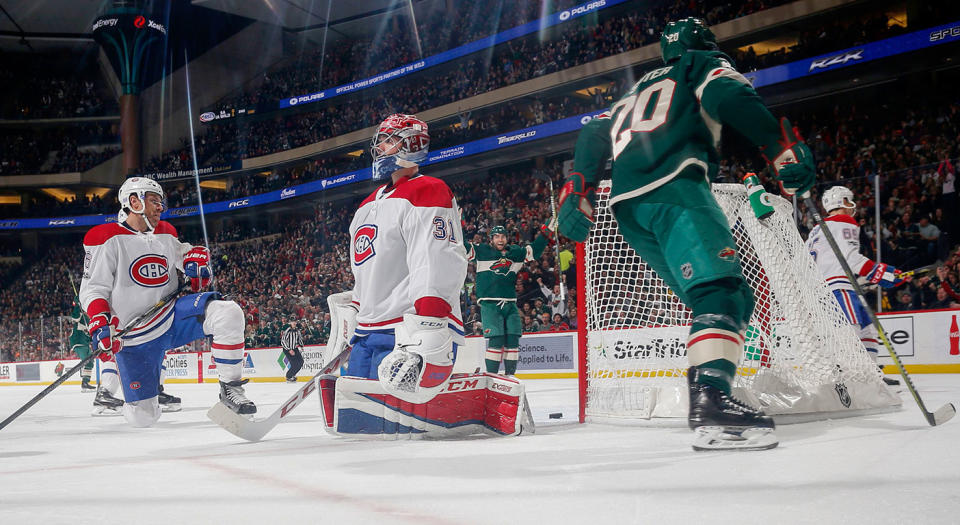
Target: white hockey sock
(225, 322)
(109, 377)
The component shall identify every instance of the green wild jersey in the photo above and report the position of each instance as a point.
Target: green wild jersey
(497, 271)
(670, 120)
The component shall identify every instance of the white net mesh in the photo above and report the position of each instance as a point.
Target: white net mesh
(801, 356)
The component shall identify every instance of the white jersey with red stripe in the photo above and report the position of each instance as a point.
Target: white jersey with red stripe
(846, 231)
(131, 271)
(407, 254)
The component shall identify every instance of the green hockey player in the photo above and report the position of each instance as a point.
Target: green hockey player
(80, 344)
(663, 137)
(497, 267)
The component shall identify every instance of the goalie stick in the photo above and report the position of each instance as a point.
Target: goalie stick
(164, 301)
(942, 414)
(254, 430)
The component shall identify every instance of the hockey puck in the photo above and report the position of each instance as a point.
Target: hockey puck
(556, 415)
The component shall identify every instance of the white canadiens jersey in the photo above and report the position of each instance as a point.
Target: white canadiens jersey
(132, 271)
(846, 231)
(407, 251)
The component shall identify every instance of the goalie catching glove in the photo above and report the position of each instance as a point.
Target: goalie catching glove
(577, 201)
(791, 161)
(421, 361)
(196, 266)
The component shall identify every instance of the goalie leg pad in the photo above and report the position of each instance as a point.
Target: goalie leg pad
(469, 404)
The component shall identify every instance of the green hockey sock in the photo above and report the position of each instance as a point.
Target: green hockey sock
(717, 373)
(493, 366)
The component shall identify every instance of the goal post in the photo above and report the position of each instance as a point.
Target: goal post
(802, 360)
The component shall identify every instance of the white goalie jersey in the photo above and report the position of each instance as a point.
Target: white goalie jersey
(407, 255)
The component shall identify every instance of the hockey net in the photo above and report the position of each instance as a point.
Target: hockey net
(801, 360)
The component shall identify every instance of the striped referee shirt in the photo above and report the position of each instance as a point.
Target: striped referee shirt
(291, 339)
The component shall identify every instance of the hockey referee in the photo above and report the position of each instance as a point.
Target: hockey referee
(292, 343)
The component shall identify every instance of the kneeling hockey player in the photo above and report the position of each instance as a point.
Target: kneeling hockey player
(128, 267)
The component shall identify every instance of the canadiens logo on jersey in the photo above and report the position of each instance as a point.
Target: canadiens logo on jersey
(363, 243)
(150, 270)
(501, 267)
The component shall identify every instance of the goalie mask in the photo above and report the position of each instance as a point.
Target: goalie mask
(401, 141)
(838, 197)
(139, 186)
(689, 34)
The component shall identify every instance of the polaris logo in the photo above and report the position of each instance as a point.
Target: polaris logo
(307, 98)
(62, 222)
(287, 193)
(564, 16)
(323, 183)
(824, 63)
(513, 138)
(237, 204)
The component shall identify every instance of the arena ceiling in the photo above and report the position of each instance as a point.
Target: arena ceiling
(45, 24)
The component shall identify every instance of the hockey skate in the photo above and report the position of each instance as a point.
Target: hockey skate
(105, 404)
(232, 396)
(85, 385)
(168, 403)
(721, 422)
(292, 379)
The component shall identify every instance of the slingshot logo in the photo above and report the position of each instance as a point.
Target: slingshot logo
(840, 59)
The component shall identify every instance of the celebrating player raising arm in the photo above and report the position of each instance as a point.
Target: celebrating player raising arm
(663, 137)
(129, 265)
(841, 219)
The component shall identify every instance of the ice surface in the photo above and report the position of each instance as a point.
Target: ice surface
(60, 465)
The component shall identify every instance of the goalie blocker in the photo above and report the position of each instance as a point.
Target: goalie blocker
(468, 404)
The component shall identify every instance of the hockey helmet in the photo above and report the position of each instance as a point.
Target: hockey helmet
(497, 230)
(138, 186)
(837, 197)
(401, 141)
(688, 34)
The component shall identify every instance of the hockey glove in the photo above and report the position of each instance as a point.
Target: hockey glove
(577, 199)
(884, 275)
(791, 161)
(103, 330)
(549, 229)
(196, 267)
(421, 362)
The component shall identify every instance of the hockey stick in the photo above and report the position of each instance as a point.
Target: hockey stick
(916, 272)
(254, 430)
(942, 414)
(89, 359)
(556, 240)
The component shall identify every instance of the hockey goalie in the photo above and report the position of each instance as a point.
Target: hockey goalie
(403, 316)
